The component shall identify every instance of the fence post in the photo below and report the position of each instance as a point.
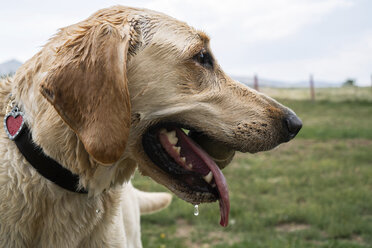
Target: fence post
(255, 82)
(312, 91)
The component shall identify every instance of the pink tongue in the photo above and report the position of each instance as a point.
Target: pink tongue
(202, 163)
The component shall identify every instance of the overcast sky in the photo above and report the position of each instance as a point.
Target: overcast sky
(278, 39)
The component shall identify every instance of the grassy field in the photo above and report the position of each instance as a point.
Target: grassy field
(315, 191)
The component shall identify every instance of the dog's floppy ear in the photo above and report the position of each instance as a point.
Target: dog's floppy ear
(88, 87)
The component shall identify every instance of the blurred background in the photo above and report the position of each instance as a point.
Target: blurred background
(315, 56)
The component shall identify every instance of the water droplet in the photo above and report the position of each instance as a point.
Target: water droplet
(196, 210)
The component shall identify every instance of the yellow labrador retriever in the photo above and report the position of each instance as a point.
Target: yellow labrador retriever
(125, 88)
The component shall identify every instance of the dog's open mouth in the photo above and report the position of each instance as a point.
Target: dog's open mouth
(194, 160)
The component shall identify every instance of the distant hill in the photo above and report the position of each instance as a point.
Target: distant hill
(263, 82)
(9, 67)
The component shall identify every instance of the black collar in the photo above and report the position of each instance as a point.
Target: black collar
(46, 166)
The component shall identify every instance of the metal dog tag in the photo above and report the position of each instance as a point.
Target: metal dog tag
(13, 123)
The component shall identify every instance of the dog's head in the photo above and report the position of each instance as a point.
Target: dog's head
(138, 84)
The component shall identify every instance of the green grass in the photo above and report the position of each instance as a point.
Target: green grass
(315, 191)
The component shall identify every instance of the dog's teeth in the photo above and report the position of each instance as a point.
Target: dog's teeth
(177, 149)
(172, 133)
(172, 137)
(190, 166)
(183, 159)
(173, 140)
(208, 178)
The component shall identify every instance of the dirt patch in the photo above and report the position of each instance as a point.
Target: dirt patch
(291, 227)
(274, 180)
(222, 237)
(185, 231)
(356, 238)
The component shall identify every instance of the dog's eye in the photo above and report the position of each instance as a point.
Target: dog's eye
(204, 59)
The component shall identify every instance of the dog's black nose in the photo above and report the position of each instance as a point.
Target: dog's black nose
(293, 125)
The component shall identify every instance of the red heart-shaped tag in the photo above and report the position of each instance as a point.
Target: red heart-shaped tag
(13, 123)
